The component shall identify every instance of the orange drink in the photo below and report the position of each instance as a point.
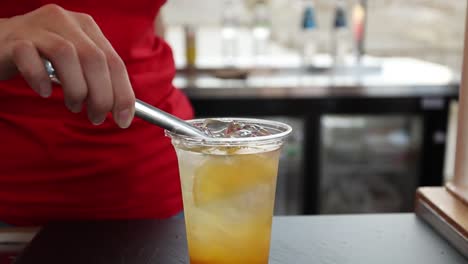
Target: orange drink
(228, 187)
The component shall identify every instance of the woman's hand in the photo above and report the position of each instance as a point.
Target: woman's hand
(88, 67)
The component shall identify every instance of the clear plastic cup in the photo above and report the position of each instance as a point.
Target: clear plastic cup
(228, 188)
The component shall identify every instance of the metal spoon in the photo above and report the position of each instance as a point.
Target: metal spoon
(149, 113)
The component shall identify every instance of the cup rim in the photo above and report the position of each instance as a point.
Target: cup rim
(284, 131)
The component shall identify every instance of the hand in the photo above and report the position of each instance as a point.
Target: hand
(88, 67)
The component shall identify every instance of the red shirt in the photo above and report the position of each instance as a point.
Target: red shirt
(55, 165)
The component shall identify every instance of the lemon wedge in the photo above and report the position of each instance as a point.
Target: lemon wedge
(220, 177)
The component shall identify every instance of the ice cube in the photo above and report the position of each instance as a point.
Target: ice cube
(243, 133)
(259, 131)
(232, 129)
(215, 128)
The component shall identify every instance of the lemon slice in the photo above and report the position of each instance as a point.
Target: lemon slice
(223, 176)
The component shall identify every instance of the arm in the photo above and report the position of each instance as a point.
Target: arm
(90, 70)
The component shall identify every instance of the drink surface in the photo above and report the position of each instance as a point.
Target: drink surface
(228, 197)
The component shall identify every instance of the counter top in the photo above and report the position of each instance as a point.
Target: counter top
(398, 238)
(391, 77)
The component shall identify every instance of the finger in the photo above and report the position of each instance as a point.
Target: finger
(63, 55)
(29, 63)
(100, 94)
(93, 64)
(124, 98)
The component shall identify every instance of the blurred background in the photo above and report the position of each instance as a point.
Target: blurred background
(369, 86)
(431, 30)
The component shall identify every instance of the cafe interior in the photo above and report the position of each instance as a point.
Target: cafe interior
(373, 162)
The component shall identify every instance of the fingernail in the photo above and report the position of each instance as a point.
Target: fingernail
(124, 118)
(76, 108)
(73, 107)
(45, 89)
(98, 120)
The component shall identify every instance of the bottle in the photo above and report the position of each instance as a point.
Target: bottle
(229, 33)
(261, 30)
(190, 47)
(309, 34)
(341, 35)
(359, 24)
